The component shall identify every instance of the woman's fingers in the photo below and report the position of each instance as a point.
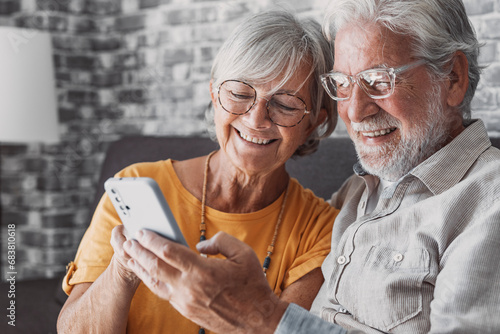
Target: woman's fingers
(118, 238)
(120, 256)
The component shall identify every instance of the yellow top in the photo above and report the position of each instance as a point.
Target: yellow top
(302, 244)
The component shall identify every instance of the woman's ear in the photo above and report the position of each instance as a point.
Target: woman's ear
(212, 94)
(459, 79)
(320, 120)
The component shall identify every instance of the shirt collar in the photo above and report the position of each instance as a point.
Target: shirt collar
(448, 166)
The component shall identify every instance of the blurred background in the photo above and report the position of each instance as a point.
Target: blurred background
(135, 67)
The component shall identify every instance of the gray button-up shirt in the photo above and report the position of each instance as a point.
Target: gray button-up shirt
(427, 259)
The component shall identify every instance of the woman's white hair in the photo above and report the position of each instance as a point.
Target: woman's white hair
(273, 45)
(437, 30)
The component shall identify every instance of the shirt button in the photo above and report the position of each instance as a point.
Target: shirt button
(398, 257)
(341, 259)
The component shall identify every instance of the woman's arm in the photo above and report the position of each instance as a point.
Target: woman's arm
(102, 306)
(303, 291)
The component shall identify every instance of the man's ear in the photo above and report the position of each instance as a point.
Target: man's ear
(459, 79)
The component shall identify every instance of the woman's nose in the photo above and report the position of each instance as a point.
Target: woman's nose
(258, 116)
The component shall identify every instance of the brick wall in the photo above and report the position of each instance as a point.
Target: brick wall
(485, 16)
(127, 67)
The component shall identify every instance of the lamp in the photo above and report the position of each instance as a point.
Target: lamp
(28, 107)
(28, 110)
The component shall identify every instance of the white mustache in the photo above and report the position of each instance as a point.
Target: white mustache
(376, 122)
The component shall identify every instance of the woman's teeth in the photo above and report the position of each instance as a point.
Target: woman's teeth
(378, 133)
(254, 140)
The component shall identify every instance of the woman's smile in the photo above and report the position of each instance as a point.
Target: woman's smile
(255, 140)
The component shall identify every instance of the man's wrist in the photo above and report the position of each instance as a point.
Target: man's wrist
(298, 320)
(266, 315)
(277, 315)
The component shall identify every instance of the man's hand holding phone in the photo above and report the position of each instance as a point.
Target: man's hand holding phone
(208, 290)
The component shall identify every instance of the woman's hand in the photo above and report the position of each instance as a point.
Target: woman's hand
(120, 257)
(224, 295)
(102, 306)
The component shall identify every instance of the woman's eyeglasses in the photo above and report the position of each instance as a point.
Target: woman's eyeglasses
(237, 97)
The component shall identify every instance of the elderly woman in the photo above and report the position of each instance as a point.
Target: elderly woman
(268, 105)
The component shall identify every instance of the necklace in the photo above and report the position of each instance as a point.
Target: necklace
(203, 226)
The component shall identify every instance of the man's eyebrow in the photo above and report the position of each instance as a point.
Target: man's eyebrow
(382, 65)
(374, 67)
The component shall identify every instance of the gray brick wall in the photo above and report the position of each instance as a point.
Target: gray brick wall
(126, 67)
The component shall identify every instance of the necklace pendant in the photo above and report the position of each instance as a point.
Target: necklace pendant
(267, 262)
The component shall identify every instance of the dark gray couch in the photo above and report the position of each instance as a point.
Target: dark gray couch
(38, 302)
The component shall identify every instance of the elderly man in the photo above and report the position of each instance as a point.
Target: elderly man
(415, 246)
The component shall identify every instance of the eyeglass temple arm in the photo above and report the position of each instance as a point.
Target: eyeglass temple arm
(409, 66)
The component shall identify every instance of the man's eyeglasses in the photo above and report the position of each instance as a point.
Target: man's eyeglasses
(237, 97)
(377, 83)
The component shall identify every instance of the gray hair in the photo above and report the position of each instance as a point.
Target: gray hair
(437, 30)
(273, 45)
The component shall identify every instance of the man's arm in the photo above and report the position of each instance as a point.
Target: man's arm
(224, 295)
(467, 292)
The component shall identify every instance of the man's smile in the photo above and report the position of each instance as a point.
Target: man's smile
(378, 133)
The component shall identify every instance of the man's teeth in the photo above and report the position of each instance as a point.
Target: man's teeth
(254, 140)
(378, 133)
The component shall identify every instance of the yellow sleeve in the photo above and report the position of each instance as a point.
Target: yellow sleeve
(315, 241)
(95, 251)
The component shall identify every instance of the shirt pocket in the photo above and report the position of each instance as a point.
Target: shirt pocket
(388, 285)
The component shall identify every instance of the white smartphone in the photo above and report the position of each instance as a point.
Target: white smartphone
(140, 204)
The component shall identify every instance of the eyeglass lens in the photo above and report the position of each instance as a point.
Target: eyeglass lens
(376, 83)
(238, 98)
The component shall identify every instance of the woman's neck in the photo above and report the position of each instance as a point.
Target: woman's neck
(230, 189)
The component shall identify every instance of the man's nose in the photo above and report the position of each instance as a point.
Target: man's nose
(360, 105)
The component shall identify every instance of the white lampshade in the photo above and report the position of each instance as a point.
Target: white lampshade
(28, 107)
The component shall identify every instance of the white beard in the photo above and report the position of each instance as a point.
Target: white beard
(392, 161)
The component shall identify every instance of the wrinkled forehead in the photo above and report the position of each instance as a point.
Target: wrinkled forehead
(360, 47)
